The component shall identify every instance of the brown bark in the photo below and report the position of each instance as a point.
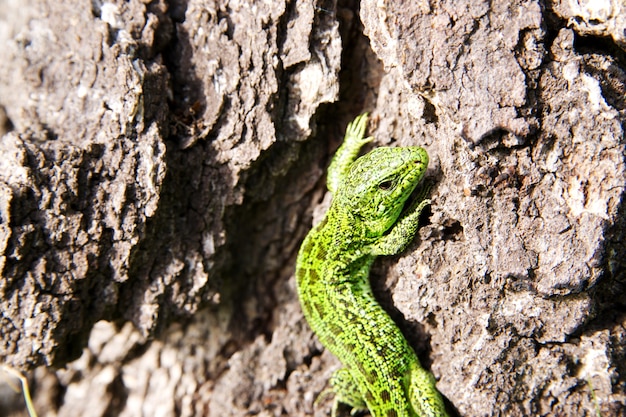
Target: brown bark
(160, 163)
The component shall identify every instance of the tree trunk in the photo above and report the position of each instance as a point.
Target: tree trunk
(160, 162)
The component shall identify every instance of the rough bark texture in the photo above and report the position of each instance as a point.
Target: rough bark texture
(161, 161)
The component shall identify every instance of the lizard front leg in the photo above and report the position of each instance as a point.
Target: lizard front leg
(347, 152)
(404, 230)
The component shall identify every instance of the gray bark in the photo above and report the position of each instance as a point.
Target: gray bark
(160, 163)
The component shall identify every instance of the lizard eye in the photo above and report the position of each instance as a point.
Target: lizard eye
(385, 185)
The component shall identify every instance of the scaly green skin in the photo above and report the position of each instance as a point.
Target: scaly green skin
(382, 373)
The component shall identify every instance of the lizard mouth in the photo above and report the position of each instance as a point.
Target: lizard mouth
(419, 193)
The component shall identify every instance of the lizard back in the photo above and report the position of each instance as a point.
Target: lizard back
(339, 305)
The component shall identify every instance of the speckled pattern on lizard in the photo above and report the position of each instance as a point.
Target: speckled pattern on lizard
(366, 218)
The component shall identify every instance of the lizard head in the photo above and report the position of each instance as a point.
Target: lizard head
(379, 183)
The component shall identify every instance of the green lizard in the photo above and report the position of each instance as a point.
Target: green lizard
(381, 371)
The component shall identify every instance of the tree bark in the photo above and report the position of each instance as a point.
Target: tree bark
(160, 162)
